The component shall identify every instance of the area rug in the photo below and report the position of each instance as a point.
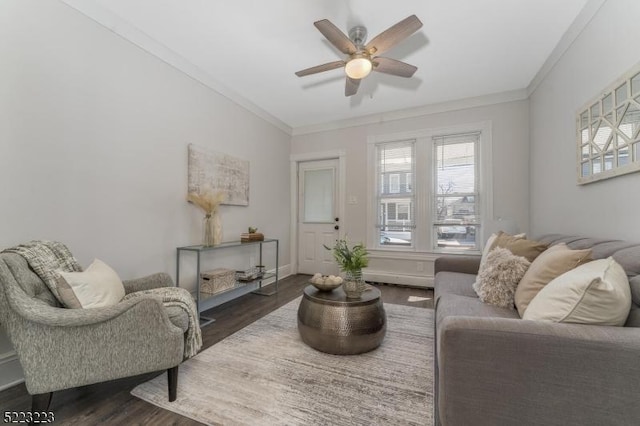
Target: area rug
(265, 375)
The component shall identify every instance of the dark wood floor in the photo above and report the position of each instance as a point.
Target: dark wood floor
(112, 403)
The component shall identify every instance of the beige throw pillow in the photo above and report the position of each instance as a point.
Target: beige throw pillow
(520, 246)
(97, 286)
(497, 280)
(552, 263)
(597, 292)
(490, 245)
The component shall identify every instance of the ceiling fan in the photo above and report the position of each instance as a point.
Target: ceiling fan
(362, 59)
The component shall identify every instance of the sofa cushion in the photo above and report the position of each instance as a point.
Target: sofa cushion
(601, 248)
(454, 283)
(597, 292)
(499, 276)
(606, 249)
(554, 262)
(633, 320)
(629, 259)
(551, 239)
(98, 286)
(457, 305)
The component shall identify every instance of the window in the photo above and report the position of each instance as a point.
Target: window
(455, 219)
(429, 189)
(394, 183)
(394, 223)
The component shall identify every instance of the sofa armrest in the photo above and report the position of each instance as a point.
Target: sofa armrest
(528, 372)
(158, 280)
(464, 263)
(51, 316)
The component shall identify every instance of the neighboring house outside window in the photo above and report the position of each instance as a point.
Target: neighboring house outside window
(455, 221)
(394, 162)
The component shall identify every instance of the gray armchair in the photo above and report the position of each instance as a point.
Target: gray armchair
(61, 348)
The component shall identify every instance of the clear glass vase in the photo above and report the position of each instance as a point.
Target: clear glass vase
(353, 285)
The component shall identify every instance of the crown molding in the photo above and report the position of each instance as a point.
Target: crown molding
(575, 29)
(485, 100)
(127, 31)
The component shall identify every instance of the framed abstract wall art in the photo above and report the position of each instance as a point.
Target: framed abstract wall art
(216, 171)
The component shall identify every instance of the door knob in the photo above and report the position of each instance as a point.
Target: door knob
(336, 227)
(337, 219)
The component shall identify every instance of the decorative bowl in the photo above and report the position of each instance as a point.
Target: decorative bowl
(325, 286)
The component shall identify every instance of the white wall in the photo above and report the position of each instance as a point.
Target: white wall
(93, 145)
(510, 170)
(606, 49)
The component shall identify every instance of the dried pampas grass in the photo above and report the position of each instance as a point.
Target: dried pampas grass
(208, 201)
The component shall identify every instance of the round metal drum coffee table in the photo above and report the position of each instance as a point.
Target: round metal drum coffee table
(331, 323)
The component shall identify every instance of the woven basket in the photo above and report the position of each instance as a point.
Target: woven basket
(217, 280)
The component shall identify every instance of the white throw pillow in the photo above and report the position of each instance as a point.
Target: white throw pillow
(553, 262)
(499, 276)
(97, 286)
(597, 292)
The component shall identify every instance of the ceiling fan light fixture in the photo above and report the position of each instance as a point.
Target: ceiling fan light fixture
(358, 67)
(360, 56)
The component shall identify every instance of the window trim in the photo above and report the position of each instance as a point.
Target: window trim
(435, 195)
(374, 199)
(422, 238)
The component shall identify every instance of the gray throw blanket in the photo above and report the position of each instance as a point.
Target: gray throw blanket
(176, 296)
(46, 257)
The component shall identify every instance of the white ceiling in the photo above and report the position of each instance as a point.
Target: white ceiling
(466, 48)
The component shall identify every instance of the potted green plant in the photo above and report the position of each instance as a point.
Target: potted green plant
(351, 261)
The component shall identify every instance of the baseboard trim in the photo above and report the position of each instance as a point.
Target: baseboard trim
(283, 272)
(400, 279)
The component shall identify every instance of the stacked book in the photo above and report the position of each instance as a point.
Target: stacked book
(253, 236)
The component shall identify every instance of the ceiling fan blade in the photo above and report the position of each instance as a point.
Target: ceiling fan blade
(321, 68)
(336, 37)
(394, 35)
(351, 88)
(393, 67)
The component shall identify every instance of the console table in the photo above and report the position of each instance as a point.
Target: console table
(241, 288)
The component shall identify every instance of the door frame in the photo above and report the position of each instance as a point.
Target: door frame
(295, 159)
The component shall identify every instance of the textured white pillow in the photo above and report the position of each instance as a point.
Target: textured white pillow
(97, 286)
(499, 276)
(597, 292)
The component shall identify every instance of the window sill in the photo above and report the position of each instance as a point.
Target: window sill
(412, 254)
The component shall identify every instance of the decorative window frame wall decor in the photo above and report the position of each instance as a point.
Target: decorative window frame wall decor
(608, 131)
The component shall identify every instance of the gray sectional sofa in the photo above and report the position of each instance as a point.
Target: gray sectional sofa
(493, 368)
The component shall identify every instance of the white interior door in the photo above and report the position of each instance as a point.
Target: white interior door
(318, 221)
